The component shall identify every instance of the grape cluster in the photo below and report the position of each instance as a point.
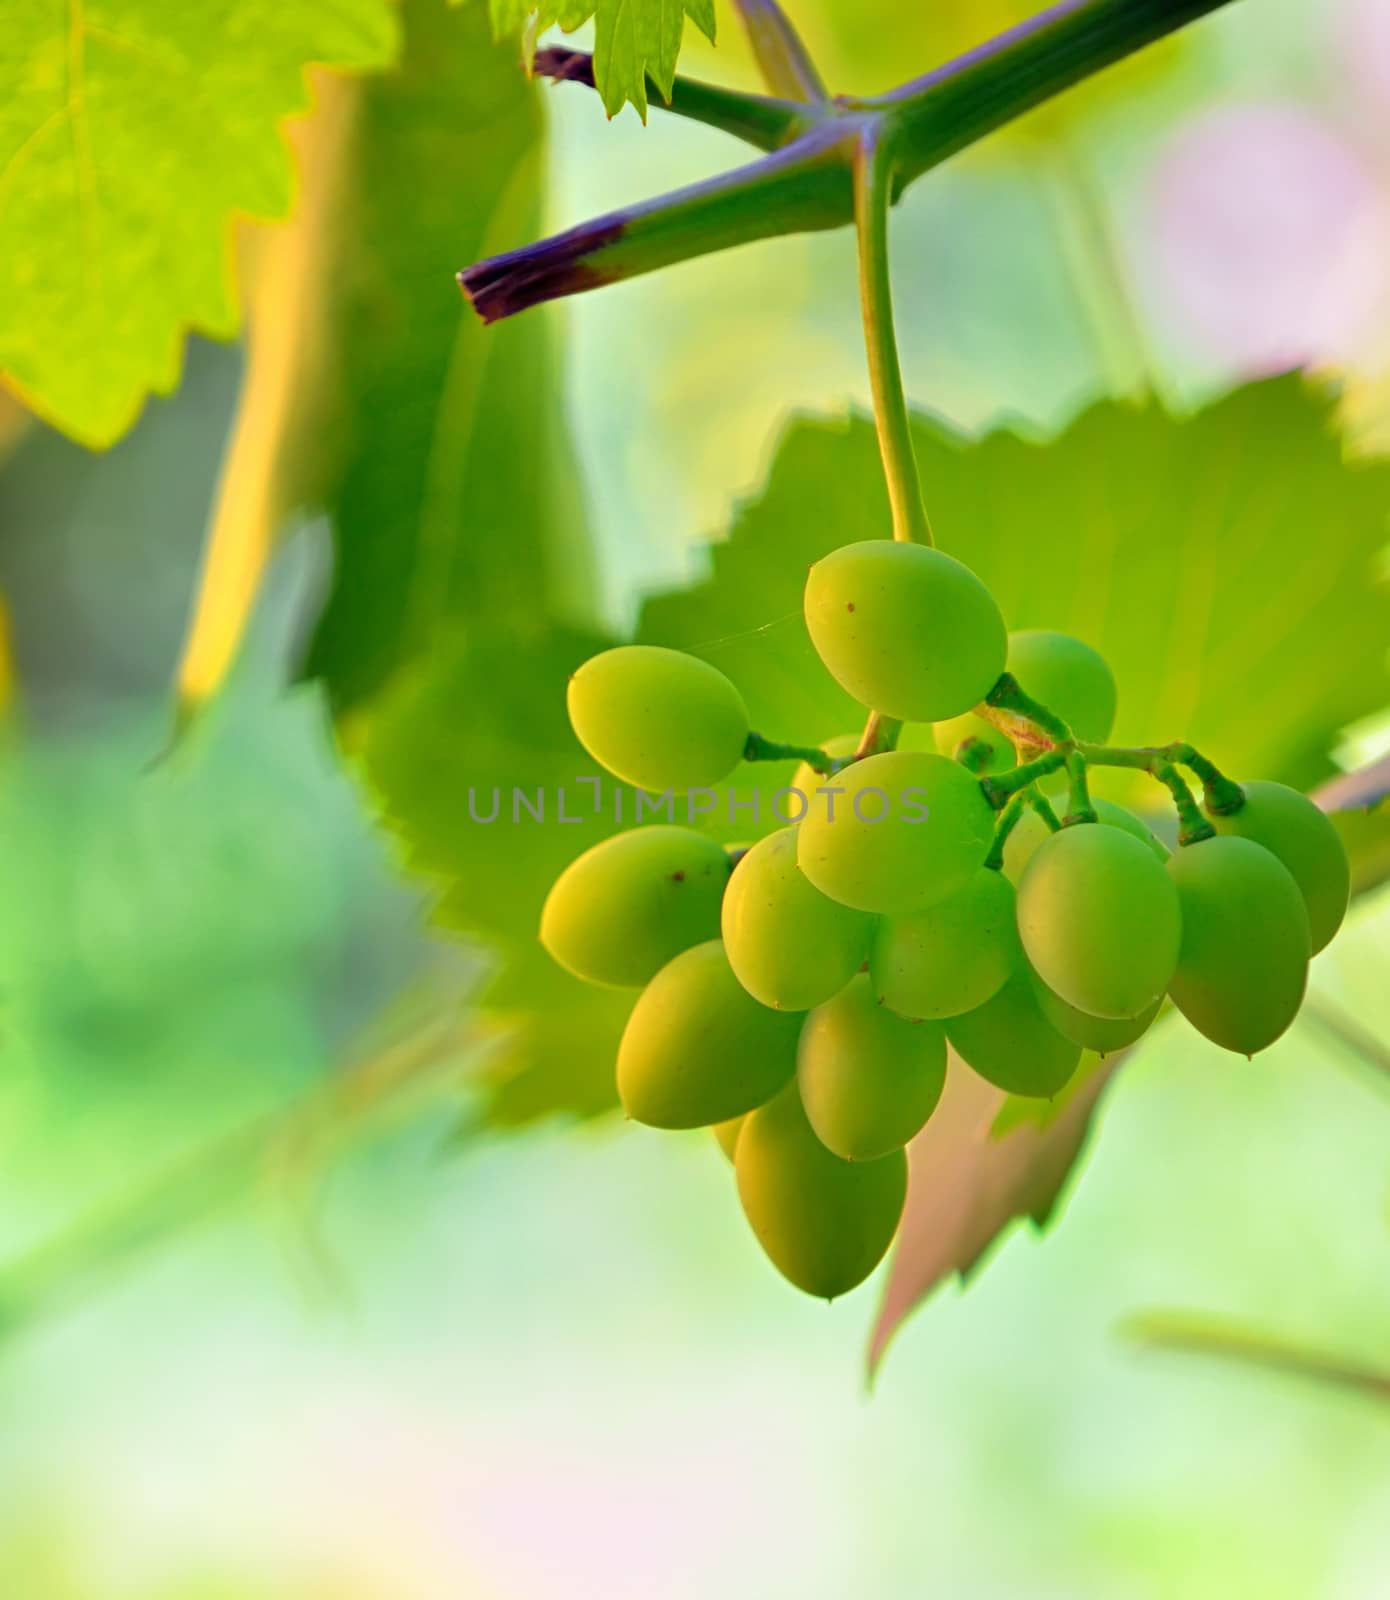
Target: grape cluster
(798, 995)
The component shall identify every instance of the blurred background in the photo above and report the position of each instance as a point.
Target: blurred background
(276, 1320)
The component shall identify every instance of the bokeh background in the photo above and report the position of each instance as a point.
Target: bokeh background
(278, 1321)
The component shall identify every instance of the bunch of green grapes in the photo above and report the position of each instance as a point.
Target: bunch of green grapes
(799, 995)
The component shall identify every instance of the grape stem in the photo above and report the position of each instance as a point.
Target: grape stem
(1043, 806)
(1009, 707)
(1009, 819)
(756, 748)
(1079, 807)
(1001, 789)
(873, 189)
(880, 735)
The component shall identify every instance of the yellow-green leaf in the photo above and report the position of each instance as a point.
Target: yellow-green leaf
(131, 133)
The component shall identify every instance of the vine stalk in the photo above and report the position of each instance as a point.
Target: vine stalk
(873, 184)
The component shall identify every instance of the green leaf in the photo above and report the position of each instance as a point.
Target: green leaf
(633, 39)
(131, 133)
(436, 445)
(489, 719)
(1178, 546)
(1227, 565)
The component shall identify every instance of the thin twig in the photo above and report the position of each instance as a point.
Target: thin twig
(1198, 1335)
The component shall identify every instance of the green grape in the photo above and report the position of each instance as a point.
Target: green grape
(1099, 920)
(658, 718)
(1031, 830)
(806, 780)
(698, 1048)
(896, 832)
(1061, 673)
(951, 957)
(726, 1134)
(950, 735)
(622, 910)
(1012, 1045)
(789, 945)
(1291, 827)
(1101, 1034)
(1245, 942)
(905, 629)
(869, 1079)
(1068, 677)
(824, 1223)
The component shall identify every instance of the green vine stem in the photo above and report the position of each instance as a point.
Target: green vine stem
(783, 60)
(1001, 789)
(1079, 807)
(759, 749)
(1192, 825)
(767, 122)
(1008, 707)
(1009, 819)
(873, 185)
(879, 736)
(806, 184)
(1039, 802)
(1221, 795)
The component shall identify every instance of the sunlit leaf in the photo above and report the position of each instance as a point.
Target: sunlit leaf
(131, 132)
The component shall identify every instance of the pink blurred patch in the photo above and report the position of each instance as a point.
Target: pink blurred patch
(1366, 51)
(1269, 238)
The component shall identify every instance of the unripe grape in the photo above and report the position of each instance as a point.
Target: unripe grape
(657, 718)
(1012, 1045)
(726, 1135)
(951, 957)
(1031, 830)
(1099, 920)
(869, 1079)
(1101, 1034)
(949, 736)
(905, 629)
(1245, 942)
(698, 1048)
(806, 780)
(824, 1223)
(1292, 828)
(618, 913)
(909, 828)
(1064, 674)
(790, 946)
(1068, 677)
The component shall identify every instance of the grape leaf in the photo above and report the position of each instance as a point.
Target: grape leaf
(436, 771)
(131, 131)
(1179, 546)
(633, 39)
(967, 1182)
(436, 447)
